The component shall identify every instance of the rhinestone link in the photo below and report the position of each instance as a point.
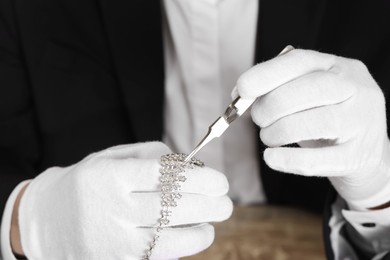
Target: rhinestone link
(172, 170)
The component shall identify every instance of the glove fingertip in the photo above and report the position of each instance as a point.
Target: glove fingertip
(243, 86)
(227, 210)
(209, 235)
(234, 94)
(274, 160)
(216, 184)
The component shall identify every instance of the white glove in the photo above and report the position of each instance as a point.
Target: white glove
(104, 207)
(335, 111)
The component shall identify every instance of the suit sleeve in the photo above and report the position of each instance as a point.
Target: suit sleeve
(356, 235)
(19, 149)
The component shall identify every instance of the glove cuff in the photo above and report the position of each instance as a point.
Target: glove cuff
(375, 191)
(33, 208)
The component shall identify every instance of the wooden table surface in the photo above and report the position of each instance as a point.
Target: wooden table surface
(268, 233)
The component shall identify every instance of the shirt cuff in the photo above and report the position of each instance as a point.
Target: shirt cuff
(5, 249)
(373, 225)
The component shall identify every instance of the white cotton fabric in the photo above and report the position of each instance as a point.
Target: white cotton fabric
(335, 110)
(208, 44)
(107, 207)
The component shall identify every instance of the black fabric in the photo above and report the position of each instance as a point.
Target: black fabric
(76, 77)
(80, 76)
(386, 257)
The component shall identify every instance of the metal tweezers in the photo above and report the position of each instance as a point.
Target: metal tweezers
(232, 112)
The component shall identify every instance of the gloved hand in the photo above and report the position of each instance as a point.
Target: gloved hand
(335, 111)
(105, 206)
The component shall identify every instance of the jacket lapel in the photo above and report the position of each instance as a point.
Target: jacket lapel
(134, 34)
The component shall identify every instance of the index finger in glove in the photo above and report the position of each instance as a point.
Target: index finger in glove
(327, 161)
(147, 150)
(313, 90)
(139, 175)
(269, 75)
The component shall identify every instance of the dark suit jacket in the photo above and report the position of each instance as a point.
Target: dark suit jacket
(80, 76)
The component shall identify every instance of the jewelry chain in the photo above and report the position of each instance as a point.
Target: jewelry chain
(172, 170)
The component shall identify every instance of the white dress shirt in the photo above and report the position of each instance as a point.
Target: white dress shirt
(208, 44)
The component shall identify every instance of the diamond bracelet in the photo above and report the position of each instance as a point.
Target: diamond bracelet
(172, 170)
